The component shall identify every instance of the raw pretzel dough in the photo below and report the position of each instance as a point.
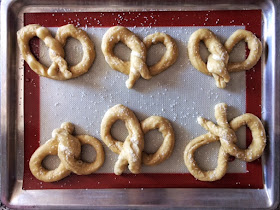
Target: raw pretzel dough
(131, 150)
(68, 149)
(225, 133)
(137, 67)
(217, 64)
(58, 69)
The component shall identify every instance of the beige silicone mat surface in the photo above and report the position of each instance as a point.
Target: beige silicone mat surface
(180, 94)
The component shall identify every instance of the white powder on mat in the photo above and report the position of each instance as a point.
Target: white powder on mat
(181, 94)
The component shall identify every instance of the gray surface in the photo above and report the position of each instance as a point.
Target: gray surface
(165, 197)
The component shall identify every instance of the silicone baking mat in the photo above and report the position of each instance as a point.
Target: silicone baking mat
(181, 94)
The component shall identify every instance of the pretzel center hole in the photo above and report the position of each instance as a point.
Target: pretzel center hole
(51, 162)
(238, 53)
(122, 51)
(88, 154)
(203, 51)
(153, 140)
(119, 130)
(73, 51)
(155, 53)
(241, 137)
(43, 50)
(206, 156)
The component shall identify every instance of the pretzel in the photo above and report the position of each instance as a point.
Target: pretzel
(58, 69)
(68, 149)
(131, 150)
(217, 64)
(137, 67)
(225, 133)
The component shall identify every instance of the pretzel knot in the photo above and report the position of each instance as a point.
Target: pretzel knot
(131, 150)
(68, 149)
(58, 69)
(218, 61)
(137, 66)
(225, 133)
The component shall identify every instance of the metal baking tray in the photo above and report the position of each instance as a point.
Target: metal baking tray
(12, 124)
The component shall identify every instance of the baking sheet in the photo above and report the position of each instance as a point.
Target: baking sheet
(180, 96)
(13, 133)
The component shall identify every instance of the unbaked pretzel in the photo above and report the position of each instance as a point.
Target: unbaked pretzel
(131, 150)
(225, 133)
(137, 67)
(58, 69)
(217, 64)
(68, 149)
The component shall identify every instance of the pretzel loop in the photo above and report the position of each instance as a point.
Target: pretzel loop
(217, 64)
(166, 148)
(68, 149)
(255, 149)
(88, 47)
(169, 56)
(225, 133)
(217, 60)
(41, 173)
(193, 167)
(254, 45)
